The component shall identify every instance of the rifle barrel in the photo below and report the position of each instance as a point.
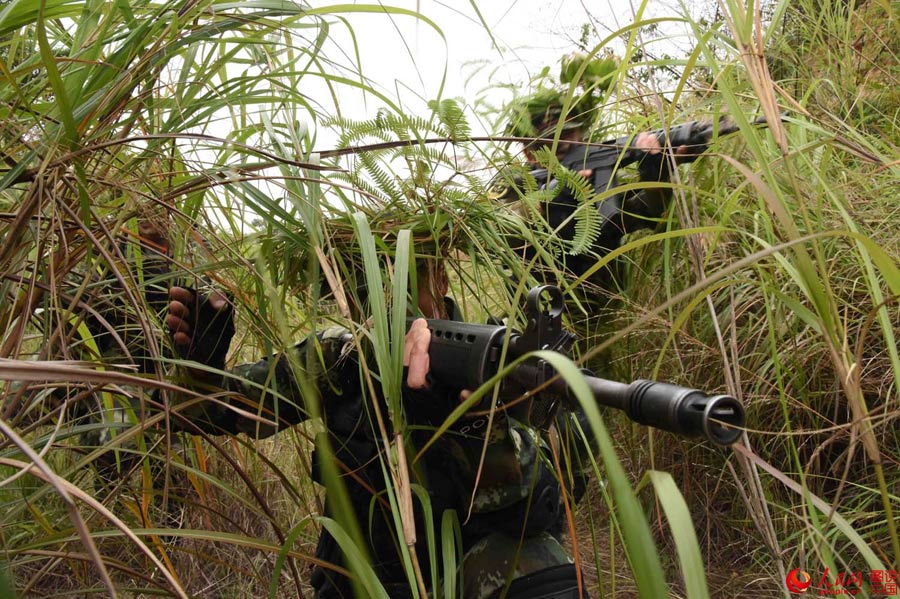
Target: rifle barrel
(680, 410)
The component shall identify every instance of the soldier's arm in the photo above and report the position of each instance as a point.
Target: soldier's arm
(266, 396)
(258, 398)
(275, 392)
(642, 209)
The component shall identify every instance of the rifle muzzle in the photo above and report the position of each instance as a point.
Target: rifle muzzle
(684, 411)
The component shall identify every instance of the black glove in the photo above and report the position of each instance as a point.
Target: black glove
(211, 331)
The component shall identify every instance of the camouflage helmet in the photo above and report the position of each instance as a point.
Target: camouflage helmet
(539, 113)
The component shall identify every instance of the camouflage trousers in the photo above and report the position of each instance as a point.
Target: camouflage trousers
(520, 544)
(495, 562)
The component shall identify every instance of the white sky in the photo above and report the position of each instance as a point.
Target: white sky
(407, 59)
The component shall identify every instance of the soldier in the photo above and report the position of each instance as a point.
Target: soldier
(508, 539)
(538, 116)
(117, 336)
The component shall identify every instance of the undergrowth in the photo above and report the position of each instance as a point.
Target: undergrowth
(775, 279)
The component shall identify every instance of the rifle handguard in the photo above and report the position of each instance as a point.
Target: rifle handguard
(465, 356)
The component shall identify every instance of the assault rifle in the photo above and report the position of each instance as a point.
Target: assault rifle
(618, 152)
(465, 356)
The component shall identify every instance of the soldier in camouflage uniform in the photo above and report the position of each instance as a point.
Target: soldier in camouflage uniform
(538, 116)
(509, 537)
(118, 337)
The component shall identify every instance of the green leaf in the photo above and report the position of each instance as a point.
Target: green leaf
(355, 560)
(20, 13)
(682, 526)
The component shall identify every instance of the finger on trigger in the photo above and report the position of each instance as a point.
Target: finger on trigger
(408, 341)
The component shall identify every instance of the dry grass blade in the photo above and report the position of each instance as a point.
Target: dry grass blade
(39, 468)
(72, 491)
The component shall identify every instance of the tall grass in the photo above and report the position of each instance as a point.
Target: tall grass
(805, 330)
(776, 280)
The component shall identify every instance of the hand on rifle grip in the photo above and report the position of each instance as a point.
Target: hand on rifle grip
(687, 154)
(650, 143)
(417, 359)
(415, 354)
(201, 325)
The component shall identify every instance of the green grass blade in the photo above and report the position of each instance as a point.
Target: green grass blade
(643, 556)
(355, 559)
(679, 517)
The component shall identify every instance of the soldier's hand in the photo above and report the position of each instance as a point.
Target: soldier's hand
(417, 359)
(415, 354)
(649, 143)
(201, 325)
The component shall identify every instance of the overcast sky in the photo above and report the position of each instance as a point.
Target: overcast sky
(408, 59)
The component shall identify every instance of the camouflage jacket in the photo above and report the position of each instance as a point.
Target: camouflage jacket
(487, 470)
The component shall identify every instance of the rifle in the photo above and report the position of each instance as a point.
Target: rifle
(465, 356)
(618, 152)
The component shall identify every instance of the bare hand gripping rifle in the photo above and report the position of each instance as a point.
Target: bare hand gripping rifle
(465, 356)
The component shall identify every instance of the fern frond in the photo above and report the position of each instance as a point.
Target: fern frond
(452, 117)
(588, 221)
(384, 180)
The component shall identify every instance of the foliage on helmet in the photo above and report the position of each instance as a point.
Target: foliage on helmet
(529, 114)
(540, 112)
(595, 73)
(397, 184)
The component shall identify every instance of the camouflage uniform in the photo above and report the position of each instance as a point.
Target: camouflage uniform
(118, 339)
(517, 500)
(500, 560)
(113, 320)
(620, 214)
(539, 115)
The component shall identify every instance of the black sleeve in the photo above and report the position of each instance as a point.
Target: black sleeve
(276, 392)
(642, 209)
